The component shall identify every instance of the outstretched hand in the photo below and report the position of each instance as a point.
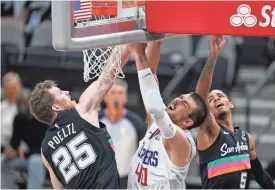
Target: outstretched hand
(137, 49)
(216, 45)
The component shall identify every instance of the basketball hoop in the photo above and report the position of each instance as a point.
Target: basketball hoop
(98, 27)
(96, 59)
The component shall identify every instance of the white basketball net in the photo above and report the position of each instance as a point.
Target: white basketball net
(96, 59)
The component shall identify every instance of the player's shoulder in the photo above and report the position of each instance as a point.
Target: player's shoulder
(241, 131)
(67, 116)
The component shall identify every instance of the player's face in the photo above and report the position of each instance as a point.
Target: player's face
(116, 97)
(180, 109)
(219, 104)
(62, 99)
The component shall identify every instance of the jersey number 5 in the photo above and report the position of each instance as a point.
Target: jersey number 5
(243, 180)
(83, 155)
(142, 174)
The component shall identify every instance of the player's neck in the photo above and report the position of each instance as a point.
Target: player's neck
(227, 122)
(115, 114)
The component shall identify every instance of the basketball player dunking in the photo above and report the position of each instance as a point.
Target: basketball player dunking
(77, 150)
(163, 157)
(226, 153)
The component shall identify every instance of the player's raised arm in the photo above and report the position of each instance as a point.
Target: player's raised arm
(205, 81)
(173, 136)
(153, 55)
(93, 95)
(209, 128)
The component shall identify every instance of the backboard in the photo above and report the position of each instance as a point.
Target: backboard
(87, 24)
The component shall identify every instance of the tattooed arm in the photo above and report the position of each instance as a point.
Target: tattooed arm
(205, 81)
(209, 130)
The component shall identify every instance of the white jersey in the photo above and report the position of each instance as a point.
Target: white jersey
(151, 167)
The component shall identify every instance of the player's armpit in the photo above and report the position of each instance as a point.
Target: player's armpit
(55, 182)
(179, 148)
(207, 132)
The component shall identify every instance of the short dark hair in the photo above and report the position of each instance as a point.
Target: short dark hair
(200, 113)
(41, 102)
(221, 92)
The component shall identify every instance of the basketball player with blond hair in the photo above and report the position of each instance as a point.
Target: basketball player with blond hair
(226, 153)
(77, 150)
(163, 157)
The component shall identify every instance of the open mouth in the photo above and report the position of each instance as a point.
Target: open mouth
(172, 106)
(219, 105)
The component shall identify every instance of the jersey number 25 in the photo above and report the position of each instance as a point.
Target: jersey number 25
(83, 155)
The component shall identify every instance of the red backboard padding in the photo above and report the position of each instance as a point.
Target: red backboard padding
(211, 17)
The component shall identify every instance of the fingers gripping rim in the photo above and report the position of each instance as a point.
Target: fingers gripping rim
(96, 59)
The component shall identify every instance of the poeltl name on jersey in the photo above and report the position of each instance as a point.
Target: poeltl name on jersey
(61, 135)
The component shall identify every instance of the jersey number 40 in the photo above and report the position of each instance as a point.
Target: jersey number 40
(83, 155)
(142, 173)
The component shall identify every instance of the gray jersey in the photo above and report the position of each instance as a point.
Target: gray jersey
(151, 166)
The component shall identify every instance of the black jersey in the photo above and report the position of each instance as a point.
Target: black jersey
(80, 154)
(225, 164)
